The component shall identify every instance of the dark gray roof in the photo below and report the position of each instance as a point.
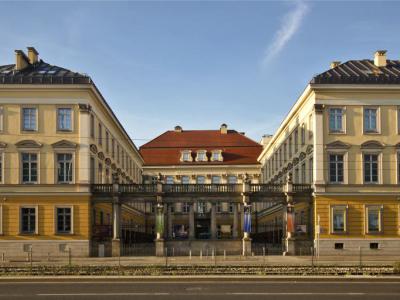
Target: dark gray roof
(360, 72)
(41, 73)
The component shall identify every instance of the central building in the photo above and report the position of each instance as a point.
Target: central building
(201, 157)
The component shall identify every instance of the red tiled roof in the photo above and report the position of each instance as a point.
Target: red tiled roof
(237, 149)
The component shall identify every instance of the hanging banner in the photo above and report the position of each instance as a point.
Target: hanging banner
(247, 220)
(290, 222)
(160, 223)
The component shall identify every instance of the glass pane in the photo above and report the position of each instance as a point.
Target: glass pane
(373, 220)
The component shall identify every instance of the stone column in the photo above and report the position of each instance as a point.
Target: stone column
(246, 241)
(213, 220)
(116, 240)
(318, 141)
(159, 222)
(84, 144)
(289, 240)
(191, 221)
(235, 233)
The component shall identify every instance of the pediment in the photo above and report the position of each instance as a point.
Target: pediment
(372, 145)
(28, 144)
(2, 145)
(64, 144)
(337, 145)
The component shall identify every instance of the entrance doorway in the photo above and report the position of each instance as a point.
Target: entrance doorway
(203, 229)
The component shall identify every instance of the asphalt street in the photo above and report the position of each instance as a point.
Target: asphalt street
(212, 289)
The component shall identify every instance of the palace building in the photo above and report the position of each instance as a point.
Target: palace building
(71, 179)
(341, 136)
(58, 135)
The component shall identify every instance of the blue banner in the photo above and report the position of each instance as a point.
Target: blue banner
(247, 221)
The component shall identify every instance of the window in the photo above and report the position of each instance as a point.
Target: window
(370, 120)
(201, 207)
(92, 170)
(374, 217)
(339, 215)
(216, 155)
(218, 207)
(303, 134)
(186, 155)
(339, 246)
(91, 126)
(29, 168)
(296, 140)
(64, 119)
(117, 153)
(29, 118)
(64, 219)
(107, 142)
(296, 175)
(371, 168)
(100, 134)
(201, 155)
(185, 207)
(216, 179)
(290, 147)
(100, 173)
(185, 180)
(336, 120)
(230, 206)
(169, 180)
(336, 168)
(284, 153)
(200, 179)
(28, 220)
(311, 164)
(64, 167)
(112, 148)
(232, 179)
(303, 172)
(310, 126)
(374, 246)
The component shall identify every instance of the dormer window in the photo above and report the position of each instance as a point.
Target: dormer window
(216, 155)
(201, 155)
(186, 155)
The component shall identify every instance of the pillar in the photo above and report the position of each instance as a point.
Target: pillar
(160, 230)
(191, 221)
(235, 233)
(84, 143)
(213, 220)
(289, 240)
(116, 211)
(246, 241)
(318, 144)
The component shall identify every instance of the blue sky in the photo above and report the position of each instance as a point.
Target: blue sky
(199, 64)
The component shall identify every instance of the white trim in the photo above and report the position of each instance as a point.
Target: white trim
(344, 121)
(378, 120)
(380, 167)
(345, 209)
(345, 166)
(379, 208)
(74, 165)
(36, 207)
(29, 151)
(71, 107)
(55, 231)
(22, 129)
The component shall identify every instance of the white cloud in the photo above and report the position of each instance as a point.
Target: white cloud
(290, 24)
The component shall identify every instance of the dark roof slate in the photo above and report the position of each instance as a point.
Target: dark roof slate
(41, 73)
(360, 72)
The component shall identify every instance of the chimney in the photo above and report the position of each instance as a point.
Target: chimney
(266, 138)
(21, 60)
(178, 128)
(380, 58)
(33, 55)
(224, 128)
(334, 64)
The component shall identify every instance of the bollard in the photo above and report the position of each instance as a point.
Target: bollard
(212, 253)
(3, 257)
(31, 257)
(224, 254)
(360, 257)
(312, 257)
(252, 253)
(166, 257)
(201, 253)
(190, 254)
(173, 252)
(215, 257)
(264, 255)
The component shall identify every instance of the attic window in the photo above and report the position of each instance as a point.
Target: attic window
(201, 155)
(216, 155)
(186, 155)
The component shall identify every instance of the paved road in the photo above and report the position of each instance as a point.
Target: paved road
(215, 289)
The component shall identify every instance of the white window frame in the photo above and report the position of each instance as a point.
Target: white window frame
(345, 210)
(379, 209)
(215, 176)
(201, 153)
(56, 220)
(168, 178)
(343, 125)
(185, 176)
(372, 152)
(71, 120)
(230, 177)
(200, 176)
(29, 151)
(345, 166)
(36, 119)
(217, 153)
(56, 152)
(36, 207)
(185, 153)
(378, 120)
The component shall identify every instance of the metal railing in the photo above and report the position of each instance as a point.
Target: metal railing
(302, 188)
(101, 188)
